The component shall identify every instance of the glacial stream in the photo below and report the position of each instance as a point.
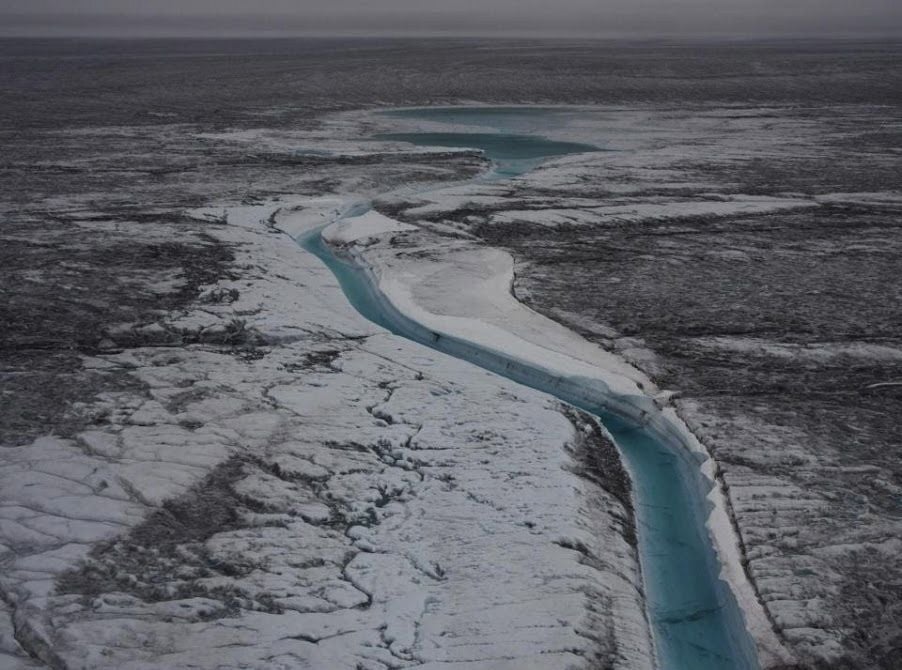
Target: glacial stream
(695, 620)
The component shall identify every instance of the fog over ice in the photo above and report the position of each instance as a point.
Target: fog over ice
(562, 17)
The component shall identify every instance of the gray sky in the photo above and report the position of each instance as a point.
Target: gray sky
(550, 17)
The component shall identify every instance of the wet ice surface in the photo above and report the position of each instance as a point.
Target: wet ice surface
(722, 282)
(694, 615)
(695, 618)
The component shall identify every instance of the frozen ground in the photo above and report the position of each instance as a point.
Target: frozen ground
(208, 456)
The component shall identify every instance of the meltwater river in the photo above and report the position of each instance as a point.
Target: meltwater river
(695, 620)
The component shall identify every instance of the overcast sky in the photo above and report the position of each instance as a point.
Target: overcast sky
(551, 17)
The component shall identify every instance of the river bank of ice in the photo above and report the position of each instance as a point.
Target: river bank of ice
(462, 291)
(727, 221)
(362, 502)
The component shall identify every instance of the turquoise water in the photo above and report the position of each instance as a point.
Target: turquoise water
(512, 154)
(513, 138)
(696, 622)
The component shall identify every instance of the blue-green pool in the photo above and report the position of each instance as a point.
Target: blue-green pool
(512, 154)
(695, 620)
(513, 138)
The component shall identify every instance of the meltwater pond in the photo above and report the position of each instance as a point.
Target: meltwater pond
(512, 154)
(513, 138)
(696, 622)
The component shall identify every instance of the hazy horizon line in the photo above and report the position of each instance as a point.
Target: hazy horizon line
(131, 26)
(895, 35)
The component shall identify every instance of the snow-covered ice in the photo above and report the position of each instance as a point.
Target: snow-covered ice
(379, 504)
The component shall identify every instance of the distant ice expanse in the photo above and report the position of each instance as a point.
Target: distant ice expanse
(209, 459)
(434, 18)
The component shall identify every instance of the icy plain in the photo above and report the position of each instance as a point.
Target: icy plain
(164, 428)
(343, 499)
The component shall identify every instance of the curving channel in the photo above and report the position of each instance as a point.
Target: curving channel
(695, 620)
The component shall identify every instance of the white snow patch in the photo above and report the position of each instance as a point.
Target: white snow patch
(361, 228)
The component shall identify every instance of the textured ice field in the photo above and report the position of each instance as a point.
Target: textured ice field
(270, 488)
(660, 177)
(389, 507)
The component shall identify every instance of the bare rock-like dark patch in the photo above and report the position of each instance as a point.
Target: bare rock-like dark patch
(163, 557)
